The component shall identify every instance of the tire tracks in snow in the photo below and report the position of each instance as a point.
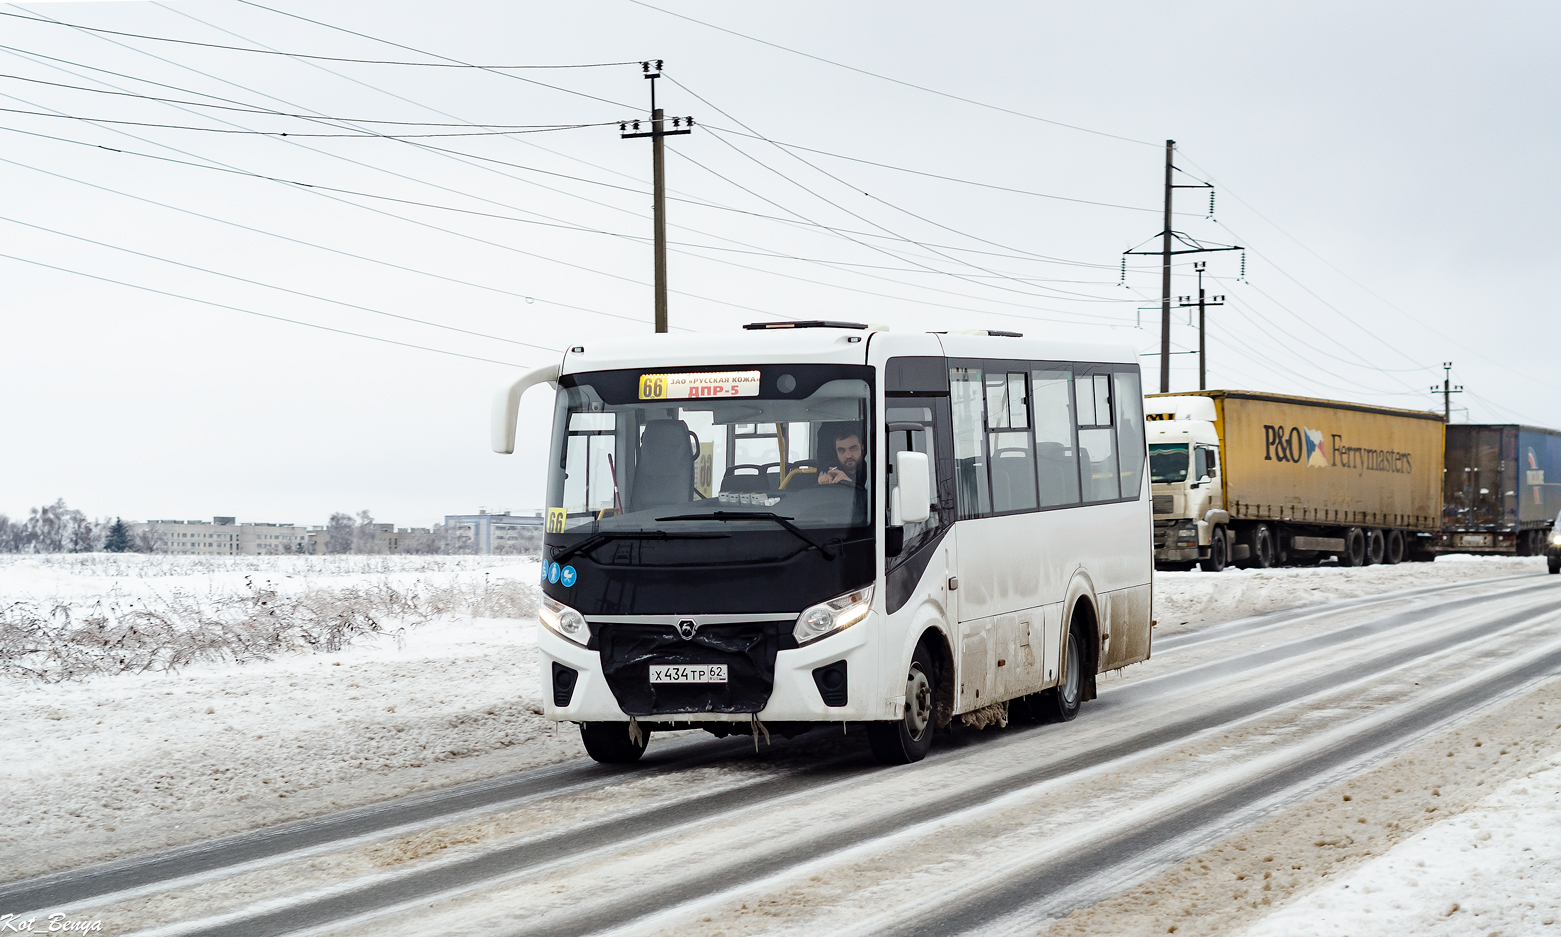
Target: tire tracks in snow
(617, 832)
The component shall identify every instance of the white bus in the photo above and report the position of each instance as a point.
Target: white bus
(807, 523)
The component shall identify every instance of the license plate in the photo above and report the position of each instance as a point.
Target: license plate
(1474, 540)
(688, 673)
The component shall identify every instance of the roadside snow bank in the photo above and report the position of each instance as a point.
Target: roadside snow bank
(1494, 869)
(1183, 600)
(112, 765)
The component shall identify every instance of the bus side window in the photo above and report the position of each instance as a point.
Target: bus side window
(1056, 459)
(1130, 431)
(1010, 448)
(1097, 438)
(966, 399)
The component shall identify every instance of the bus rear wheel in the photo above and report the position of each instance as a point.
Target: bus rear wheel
(611, 743)
(908, 739)
(1061, 702)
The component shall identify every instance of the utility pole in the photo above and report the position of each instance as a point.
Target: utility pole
(1167, 250)
(1165, 272)
(1202, 304)
(1447, 389)
(658, 181)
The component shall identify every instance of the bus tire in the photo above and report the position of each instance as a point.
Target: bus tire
(1217, 552)
(1555, 564)
(908, 739)
(1395, 548)
(1354, 548)
(611, 742)
(1061, 703)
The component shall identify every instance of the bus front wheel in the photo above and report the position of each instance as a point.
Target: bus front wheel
(906, 740)
(612, 743)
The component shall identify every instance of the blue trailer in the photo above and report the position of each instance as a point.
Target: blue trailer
(1501, 489)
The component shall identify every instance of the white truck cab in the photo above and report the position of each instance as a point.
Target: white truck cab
(1187, 483)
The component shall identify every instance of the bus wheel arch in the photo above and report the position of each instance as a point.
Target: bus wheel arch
(936, 641)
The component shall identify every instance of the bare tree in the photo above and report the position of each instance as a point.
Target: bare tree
(149, 539)
(339, 533)
(365, 537)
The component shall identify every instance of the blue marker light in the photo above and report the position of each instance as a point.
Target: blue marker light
(566, 576)
(552, 572)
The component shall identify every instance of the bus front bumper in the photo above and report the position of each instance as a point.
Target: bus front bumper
(795, 697)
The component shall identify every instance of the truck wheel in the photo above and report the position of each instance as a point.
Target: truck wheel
(1217, 552)
(908, 739)
(1376, 547)
(1395, 548)
(1354, 548)
(1262, 547)
(611, 743)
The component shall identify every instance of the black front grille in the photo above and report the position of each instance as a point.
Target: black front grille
(747, 649)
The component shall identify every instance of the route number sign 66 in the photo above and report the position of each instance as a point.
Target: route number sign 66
(699, 384)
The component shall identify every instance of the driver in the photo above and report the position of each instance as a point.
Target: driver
(848, 455)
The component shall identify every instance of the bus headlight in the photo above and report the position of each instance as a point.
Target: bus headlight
(834, 615)
(564, 621)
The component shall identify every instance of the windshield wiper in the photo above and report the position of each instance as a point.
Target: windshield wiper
(785, 522)
(597, 539)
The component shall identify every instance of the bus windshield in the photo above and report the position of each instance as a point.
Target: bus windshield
(1167, 462)
(725, 452)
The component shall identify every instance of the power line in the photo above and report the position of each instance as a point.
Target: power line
(310, 244)
(699, 202)
(283, 133)
(856, 189)
(778, 255)
(897, 81)
(303, 55)
(272, 286)
(1416, 321)
(251, 312)
(620, 236)
(501, 72)
(275, 113)
(931, 175)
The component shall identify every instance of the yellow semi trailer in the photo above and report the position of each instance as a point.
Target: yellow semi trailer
(1260, 480)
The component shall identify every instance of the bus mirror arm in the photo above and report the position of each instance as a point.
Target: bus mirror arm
(506, 406)
(913, 470)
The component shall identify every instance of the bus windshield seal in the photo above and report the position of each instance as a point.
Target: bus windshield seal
(597, 539)
(786, 522)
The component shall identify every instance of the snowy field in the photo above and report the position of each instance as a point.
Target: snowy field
(316, 683)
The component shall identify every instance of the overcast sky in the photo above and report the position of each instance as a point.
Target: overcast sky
(1389, 167)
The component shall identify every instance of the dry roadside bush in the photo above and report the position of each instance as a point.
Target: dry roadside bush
(60, 640)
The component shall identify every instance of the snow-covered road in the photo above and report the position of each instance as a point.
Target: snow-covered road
(1235, 733)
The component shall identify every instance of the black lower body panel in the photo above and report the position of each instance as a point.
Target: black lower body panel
(747, 649)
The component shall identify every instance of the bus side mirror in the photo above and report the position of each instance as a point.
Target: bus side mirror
(914, 471)
(506, 407)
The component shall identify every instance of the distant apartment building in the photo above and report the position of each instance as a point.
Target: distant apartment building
(492, 533)
(222, 536)
(386, 538)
